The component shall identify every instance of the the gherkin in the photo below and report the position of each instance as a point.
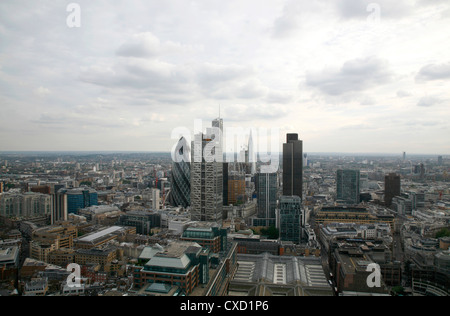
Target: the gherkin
(181, 174)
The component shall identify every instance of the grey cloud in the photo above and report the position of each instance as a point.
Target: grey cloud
(429, 101)
(252, 112)
(165, 81)
(229, 81)
(147, 45)
(278, 97)
(288, 21)
(293, 14)
(151, 75)
(403, 94)
(211, 75)
(354, 75)
(434, 72)
(141, 45)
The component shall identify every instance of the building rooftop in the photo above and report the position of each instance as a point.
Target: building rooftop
(9, 255)
(281, 270)
(176, 263)
(173, 256)
(100, 234)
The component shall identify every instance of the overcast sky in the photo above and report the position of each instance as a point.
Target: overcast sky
(346, 75)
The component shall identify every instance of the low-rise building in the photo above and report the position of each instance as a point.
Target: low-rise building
(207, 235)
(357, 215)
(9, 261)
(351, 267)
(36, 287)
(102, 236)
(183, 265)
(105, 257)
(144, 221)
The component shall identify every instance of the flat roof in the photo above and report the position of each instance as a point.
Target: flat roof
(8, 254)
(102, 233)
(177, 263)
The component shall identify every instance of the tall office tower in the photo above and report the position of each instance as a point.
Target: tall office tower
(293, 166)
(156, 199)
(266, 190)
(391, 188)
(347, 183)
(404, 156)
(440, 161)
(291, 219)
(225, 183)
(207, 175)
(180, 194)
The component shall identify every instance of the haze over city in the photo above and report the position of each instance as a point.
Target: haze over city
(348, 76)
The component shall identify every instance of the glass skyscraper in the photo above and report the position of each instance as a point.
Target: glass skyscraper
(293, 166)
(266, 189)
(347, 186)
(290, 219)
(392, 188)
(181, 176)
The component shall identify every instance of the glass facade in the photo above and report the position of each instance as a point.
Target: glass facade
(290, 219)
(181, 177)
(347, 186)
(266, 188)
(293, 166)
(80, 198)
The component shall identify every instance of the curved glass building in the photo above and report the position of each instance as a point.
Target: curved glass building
(181, 176)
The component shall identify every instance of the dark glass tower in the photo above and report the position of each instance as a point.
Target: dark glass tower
(291, 219)
(347, 186)
(181, 176)
(293, 166)
(391, 188)
(266, 188)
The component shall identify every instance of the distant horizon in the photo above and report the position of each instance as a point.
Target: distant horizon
(168, 152)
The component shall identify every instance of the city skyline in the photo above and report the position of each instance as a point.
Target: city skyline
(348, 76)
